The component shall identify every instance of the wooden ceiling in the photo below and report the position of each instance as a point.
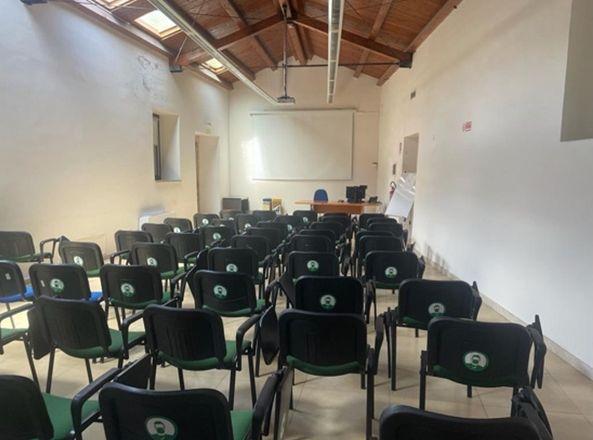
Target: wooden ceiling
(379, 32)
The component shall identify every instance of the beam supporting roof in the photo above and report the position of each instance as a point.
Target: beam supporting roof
(377, 25)
(357, 40)
(294, 37)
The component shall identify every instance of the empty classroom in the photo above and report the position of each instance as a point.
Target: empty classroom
(296, 219)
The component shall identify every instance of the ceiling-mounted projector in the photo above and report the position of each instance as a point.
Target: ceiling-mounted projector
(284, 99)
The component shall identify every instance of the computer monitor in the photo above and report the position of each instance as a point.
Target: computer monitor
(356, 194)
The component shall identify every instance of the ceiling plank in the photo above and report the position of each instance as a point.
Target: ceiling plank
(304, 33)
(355, 39)
(377, 25)
(247, 32)
(233, 11)
(434, 22)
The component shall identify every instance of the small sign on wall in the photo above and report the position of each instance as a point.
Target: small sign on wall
(467, 126)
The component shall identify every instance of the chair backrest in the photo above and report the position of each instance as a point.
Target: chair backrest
(389, 267)
(179, 224)
(230, 214)
(184, 242)
(392, 227)
(23, 414)
(215, 234)
(308, 216)
(11, 279)
(158, 231)
(343, 219)
(322, 339)
(226, 293)
(311, 243)
(365, 217)
(136, 373)
(135, 285)
(233, 260)
(185, 334)
(369, 243)
(337, 228)
(245, 221)
(320, 195)
(159, 255)
(404, 422)
(15, 245)
(421, 300)
(321, 232)
(84, 254)
(334, 294)
(203, 219)
(293, 222)
(312, 264)
(59, 280)
(259, 245)
(274, 236)
(134, 414)
(281, 227)
(383, 219)
(488, 354)
(73, 324)
(230, 223)
(264, 215)
(125, 239)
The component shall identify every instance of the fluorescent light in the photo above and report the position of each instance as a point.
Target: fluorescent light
(157, 23)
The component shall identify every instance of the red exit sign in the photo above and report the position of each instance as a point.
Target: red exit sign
(467, 126)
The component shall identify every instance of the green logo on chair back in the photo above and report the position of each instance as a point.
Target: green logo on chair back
(205, 221)
(231, 219)
(247, 226)
(216, 236)
(312, 266)
(436, 309)
(305, 220)
(78, 260)
(289, 228)
(391, 272)
(127, 290)
(56, 285)
(161, 428)
(151, 261)
(219, 291)
(475, 361)
(232, 268)
(176, 229)
(328, 302)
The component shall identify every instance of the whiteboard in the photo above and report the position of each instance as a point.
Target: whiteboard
(302, 145)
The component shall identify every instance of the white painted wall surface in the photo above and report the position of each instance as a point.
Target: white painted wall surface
(76, 103)
(308, 86)
(506, 204)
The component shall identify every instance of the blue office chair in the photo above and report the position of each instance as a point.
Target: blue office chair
(320, 196)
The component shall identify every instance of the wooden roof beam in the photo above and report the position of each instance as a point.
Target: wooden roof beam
(294, 37)
(377, 25)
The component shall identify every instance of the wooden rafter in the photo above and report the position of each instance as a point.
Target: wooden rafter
(294, 38)
(231, 8)
(377, 25)
(355, 39)
(434, 22)
(303, 32)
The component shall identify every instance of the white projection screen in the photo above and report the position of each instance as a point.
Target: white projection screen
(302, 145)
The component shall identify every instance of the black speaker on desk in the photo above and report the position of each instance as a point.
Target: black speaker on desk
(356, 194)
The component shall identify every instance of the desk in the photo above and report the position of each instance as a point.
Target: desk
(334, 206)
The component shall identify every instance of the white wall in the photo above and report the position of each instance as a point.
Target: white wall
(76, 126)
(309, 87)
(506, 204)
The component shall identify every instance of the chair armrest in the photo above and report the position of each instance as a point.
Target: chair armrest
(117, 254)
(174, 282)
(240, 335)
(535, 330)
(187, 257)
(125, 327)
(263, 406)
(477, 300)
(272, 291)
(16, 311)
(53, 241)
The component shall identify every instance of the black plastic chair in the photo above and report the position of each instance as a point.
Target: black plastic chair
(330, 344)
(203, 219)
(84, 254)
(230, 214)
(213, 236)
(419, 301)
(18, 246)
(245, 221)
(310, 243)
(281, 227)
(369, 243)
(194, 340)
(387, 270)
(68, 281)
(294, 223)
(162, 256)
(337, 228)
(329, 294)
(230, 223)
(187, 246)
(132, 413)
(14, 334)
(484, 354)
(264, 215)
(79, 329)
(353, 260)
(124, 240)
(157, 231)
(395, 228)
(365, 217)
(331, 235)
(237, 260)
(261, 247)
(308, 216)
(179, 224)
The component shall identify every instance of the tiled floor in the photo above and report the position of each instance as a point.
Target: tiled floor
(335, 407)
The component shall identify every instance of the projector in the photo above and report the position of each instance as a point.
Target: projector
(286, 100)
(175, 68)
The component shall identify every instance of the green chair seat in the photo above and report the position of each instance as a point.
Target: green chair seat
(389, 286)
(26, 258)
(261, 304)
(114, 349)
(323, 370)
(60, 414)
(241, 422)
(141, 305)
(414, 323)
(475, 379)
(208, 363)
(9, 334)
(93, 273)
(171, 273)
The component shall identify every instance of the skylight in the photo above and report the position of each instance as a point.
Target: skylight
(157, 23)
(214, 65)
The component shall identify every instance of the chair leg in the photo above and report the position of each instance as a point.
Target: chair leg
(181, 381)
(257, 355)
(30, 359)
(251, 378)
(362, 381)
(155, 363)
(370, 405)
(232, 388)
(120, 361)
(416, 332)
(393, 355)
(513, 407)
(423, 380)
(11, 318)
(469, 391)
(388, 340)
(50, 370)
(89, 373)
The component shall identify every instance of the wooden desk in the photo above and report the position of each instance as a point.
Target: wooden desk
(334, 206)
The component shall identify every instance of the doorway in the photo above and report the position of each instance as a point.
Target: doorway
(207, 173)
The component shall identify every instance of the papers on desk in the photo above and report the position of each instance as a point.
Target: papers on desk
(402, 201)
